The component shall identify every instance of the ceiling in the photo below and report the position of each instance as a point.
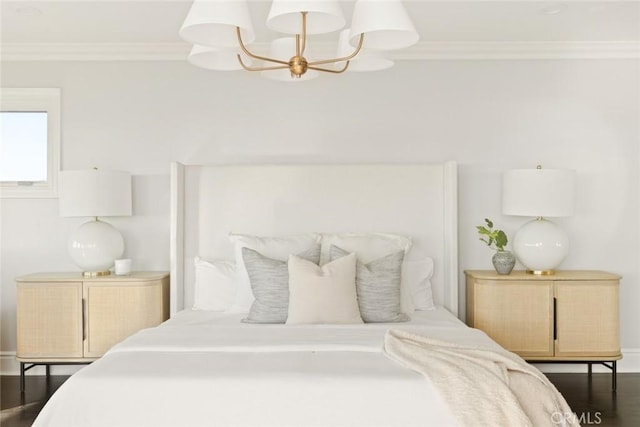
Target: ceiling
(158, 21)
(57, 27)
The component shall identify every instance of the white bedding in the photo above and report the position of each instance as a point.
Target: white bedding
(205, 368)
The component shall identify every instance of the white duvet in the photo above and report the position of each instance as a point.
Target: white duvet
(208, 369)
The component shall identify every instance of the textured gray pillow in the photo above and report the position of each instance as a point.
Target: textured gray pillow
(377, 286)
(269, 279)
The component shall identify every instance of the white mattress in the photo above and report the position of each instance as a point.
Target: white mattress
(205, 368)
(436, 317)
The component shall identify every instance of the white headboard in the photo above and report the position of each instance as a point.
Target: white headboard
(209, 202)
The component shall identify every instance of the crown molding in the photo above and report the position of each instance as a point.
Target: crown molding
(421, 51)
(94, 51)
(522, 50)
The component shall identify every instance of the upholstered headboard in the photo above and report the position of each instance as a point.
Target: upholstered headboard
(417, 200)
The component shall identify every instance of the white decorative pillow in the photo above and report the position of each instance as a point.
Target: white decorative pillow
(273, 247)
(324, 294)
(368, 247)
(418, 275)
(215, 287)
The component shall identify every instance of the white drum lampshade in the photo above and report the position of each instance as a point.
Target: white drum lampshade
(540, 245)
(95, 193)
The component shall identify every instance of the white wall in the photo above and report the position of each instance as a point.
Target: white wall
(487, 115)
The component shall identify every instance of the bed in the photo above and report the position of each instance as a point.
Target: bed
(227, 366)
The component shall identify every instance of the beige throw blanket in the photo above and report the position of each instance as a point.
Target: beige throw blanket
(482, 386)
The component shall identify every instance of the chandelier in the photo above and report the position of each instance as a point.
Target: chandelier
(221, 32)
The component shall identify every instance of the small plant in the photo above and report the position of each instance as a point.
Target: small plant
(495, 239)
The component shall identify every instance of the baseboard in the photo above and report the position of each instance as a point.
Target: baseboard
(629, 363)
(10, 366)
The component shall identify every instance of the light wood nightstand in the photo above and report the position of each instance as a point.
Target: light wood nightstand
(64, 318)
(568, 317)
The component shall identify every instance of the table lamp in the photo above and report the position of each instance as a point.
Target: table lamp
(540, 245)
(95, 193)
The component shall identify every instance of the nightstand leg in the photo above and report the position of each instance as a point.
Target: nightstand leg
(589, 369)
(21, 377)
(614, 375)
(47, 370)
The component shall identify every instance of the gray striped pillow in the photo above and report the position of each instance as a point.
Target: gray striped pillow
(269, 279)
(378, 286)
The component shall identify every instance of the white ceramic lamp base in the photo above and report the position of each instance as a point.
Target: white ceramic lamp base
(94, 246)
(541, 246)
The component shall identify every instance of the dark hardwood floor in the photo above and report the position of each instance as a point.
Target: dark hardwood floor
(591, 400)
(21, 410)
(595, 404)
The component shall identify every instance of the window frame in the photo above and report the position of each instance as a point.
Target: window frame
(36, 99)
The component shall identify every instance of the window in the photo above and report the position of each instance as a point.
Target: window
(29, 142)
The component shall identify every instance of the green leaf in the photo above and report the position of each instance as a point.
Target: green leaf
(483, 230)
(496, 239)
(501, 239)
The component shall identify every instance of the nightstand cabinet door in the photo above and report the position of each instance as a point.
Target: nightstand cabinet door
(49, 320)
(115, 310)
(517, 314)
(66, 318)
(571, 315)
(587, 318)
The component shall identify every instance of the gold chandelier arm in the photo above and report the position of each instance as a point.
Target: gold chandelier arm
(304, 34)
(251, 55)
(248, 68)
(326, 70)
(344, 58)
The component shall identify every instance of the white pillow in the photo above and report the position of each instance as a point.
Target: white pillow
(215, 287)
(324, 294)
(367, 246)
(371, 246)
(272, 247)
(418, 275)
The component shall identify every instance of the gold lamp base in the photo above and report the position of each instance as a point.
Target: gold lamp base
(541, 272)
(95, 273)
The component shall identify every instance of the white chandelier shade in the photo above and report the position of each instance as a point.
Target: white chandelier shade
(215, 58)
(367, 60)
(214, 22)
(280, 48)
(385, 24)
(377, 25)
(323, 16)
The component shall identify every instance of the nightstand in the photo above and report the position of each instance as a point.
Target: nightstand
(568, 317)
(64, 318)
